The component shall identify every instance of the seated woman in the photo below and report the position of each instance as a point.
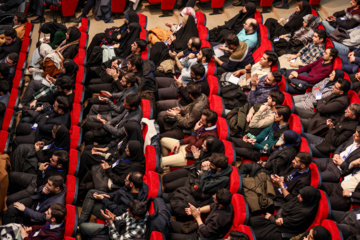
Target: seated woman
(316, 233)
(292, 24)
(113, 34)
(177, 42)
(289, 43)
(70, 46)
(26, 157)
(93, 155)
(293, 217)
(178, 178)
(159, 34)
(234, 25)
(111, 175)
(57, 33)
(69, 69)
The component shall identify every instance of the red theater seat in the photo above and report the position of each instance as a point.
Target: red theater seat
(222, 129)
(353, 97)
(147, 109)
(71, 221)
(153, 180)
(79, 93)
(152, 160)
(72, 188)
(332, 227)
(4, 141)
(258, 17)
(75, 137)
(83, 40)
(217, 105)
(203, 32)
(235, 181)
(283, 85)
(288, 101)
(8, 120)
(80, 58)
(315, 176)
(21, 65)
(28, 29)
(295, 123)
(118, 6)
(14, 98)
(155, 235)
(85, 25)
(74, 162)
(142, 20)
(80, 75)
(26, 44)
(76, 114)
(230, 152)
(18, 79)
(214, 85)
(201, 18)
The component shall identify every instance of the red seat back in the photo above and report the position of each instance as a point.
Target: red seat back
(328, 43)
(146, 108)
(153, 180)
(230, 151)
(214, 85)
(288, 101)
(282, 85)
(155, 235)
(8, 119)
(14, 98)
(142, 20)
(222, 129)
(71, 220)
(75, 137)
(76, 114)
(337, 63)
(241, 210)
(74, 162)
(22, 61)
(152, 160)
(315, 176)
(28, 29)
(304, 146)
(235, 181)
(258, 17)
(80, 58)
(83, 40)
(26, 43)
(201, 18)
(323, 212)
(72, 184)
(85, 24)
(217, 105)
(80, 75)
(332, 227)
(314, 12)
(18, 78)
(3, 141)
(353, 97)
(295, 123)
(203, 32)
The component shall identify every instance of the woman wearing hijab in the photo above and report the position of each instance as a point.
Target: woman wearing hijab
(305, 103)
(294, 43)
(293, 217)
(177, 42)
(57, 33)
(178, 178)
(234, 25)
(114, 172)
(93, 155)
(70, 46)
(69, 69)
(316, 233)
(111, 34)
(293, 23)
(26, 157)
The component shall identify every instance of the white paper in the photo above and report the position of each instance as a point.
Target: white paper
(358, 216)
(233, 79)
(218, 52)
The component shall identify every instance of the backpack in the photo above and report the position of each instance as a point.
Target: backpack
(236, 120)
(159, 220)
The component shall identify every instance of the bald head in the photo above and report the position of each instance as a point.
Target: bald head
(250, 25)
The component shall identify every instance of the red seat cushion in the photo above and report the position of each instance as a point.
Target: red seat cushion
(315, 180)
(337, 63)
(201, 18)
(68, 7)
(203, 32)
(235, 181)
(145, 54)
(152, 160)
(74, 162)
(353, 97)
(205, 43)
(85, 23)
(72, 184)
(18, 78)
(288, 101)
(222, 129)
(266, 3)
(328, 43)
(314, 12)
(3, 141)
(230, 151)
(295, 123)
(167, 4)
(214, 85)
(217, 105)
(241, 210)
(28, 29)
(146, 108)
(71, 220)
(26, 43)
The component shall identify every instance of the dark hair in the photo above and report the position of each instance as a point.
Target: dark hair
(63, 103)
(355, 109)
(13, 57)
(10, 32)
(133, 100)
(4, 70)
(211, 116)
(232, 39)
(138, 208)
(194, 89)
(305, 158)
(4, 86)
(141, 43)
(277, 96)
(207, 53)
(58, 212)
(65, 82)
(272, 57)
(63, 158)
(209, 141)
(344, 85)
(277, 76)
(219, 160)
(136, 61)
(57, 180)
(235, 235)
(321, 34)
(223, 196)
(254, 25)
(198, 69)
(2, 109)
(333, 53)
(130, 78)
(21, 17)
(136, 178)
(283, 110)
(196, 43)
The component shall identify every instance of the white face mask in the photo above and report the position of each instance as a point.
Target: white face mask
(281, 140)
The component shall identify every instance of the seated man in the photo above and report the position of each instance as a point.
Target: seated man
(176, 119)
(347, 222)
(263, 116)
(115, 202)
(251, 148)
(103, 129)
(308, 54)
(52, 229)
(57, 165)
(240, 55)
(131, 223)
(19, 22)
(310, 74)
(129, 84)
(338, 133)
(34, 207)
(332, 169)
(171, 88)
(12, 43)
(249, 33)
(261, 68)
(260, 88)
(330, 107)
(294, 178)
(11, 60)
(205, 127)
(217, 223)
(4, 92)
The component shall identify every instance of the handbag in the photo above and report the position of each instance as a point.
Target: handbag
(339, 34)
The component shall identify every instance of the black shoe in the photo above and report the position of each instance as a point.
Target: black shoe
(281, 6)
(78, 20)
(38, 20)
(239, 3)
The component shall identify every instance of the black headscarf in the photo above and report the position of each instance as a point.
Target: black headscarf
(71, 68)
(296, 19)
(127, 39)
(292, 137)
(184, 34)
(338, 74)
(62, 138)
(236, 23)
(73, 35)
(52, 28)
(321, 233)
(216, 146)
(132, 17)
(134, 133)
(299, 215)
(136, 151)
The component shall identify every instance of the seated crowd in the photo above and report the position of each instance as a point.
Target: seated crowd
(279, 124)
